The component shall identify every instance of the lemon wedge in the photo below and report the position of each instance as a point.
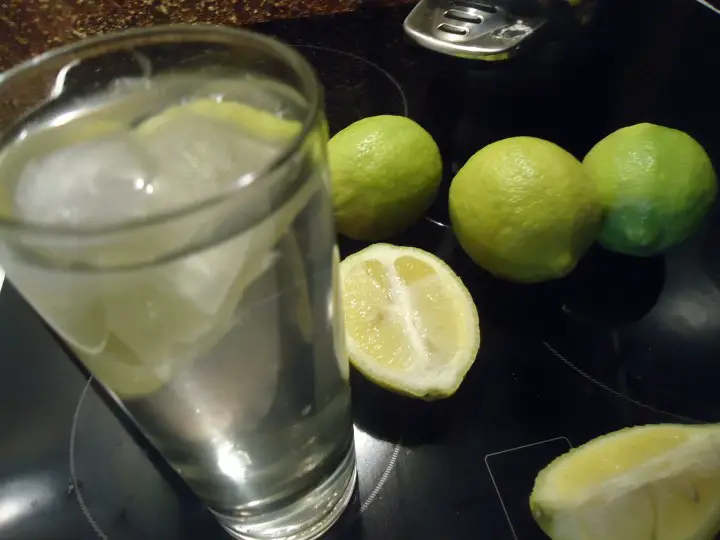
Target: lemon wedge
(411, 325)
(656, 482)
(255, 121)
(118, 369)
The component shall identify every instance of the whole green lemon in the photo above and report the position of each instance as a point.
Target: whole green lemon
(655, 183)
(385, 173)
(524, 209)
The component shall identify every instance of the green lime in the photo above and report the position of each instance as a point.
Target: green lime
(385, 173)
(656, 184)
(524, 209)
(659, 482)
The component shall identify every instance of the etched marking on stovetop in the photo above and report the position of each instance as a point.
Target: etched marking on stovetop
(406, 109)
(383, 479)
(73, 472)
(528, 446)
(709, 6)
(614, 392)
(494, 482)
(103, 536)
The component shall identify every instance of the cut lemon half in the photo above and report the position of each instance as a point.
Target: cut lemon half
(410, 323)
(658, 482)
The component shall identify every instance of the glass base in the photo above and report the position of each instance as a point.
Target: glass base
(308, 518)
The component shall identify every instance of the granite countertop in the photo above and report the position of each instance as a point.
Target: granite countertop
(29, 27)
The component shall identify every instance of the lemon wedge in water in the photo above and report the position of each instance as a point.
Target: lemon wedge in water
(255, 121)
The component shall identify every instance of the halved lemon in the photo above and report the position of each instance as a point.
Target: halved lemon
(411, 325)
(656, 482)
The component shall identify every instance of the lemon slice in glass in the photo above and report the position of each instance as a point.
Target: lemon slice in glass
(411, 325)
(255, 121)
(119, 370)
(657, 482)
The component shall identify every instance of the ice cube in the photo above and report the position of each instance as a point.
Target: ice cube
(197, 156)
(233, 388)
(183, 308)
(214, 280)
(102, 181)
(146, 313)
(205, 279)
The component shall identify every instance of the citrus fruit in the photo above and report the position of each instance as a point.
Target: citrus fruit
(16, 155)
(411, 325)
(69, 303)
(339, 330)
(524, 209)
(656, 482)
(656, 184)
(118, 369)
(255, 121)
(385, 173)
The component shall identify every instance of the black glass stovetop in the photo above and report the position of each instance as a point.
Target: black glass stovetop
(620, 342)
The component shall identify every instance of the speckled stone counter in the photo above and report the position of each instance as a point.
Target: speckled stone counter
(29, 27)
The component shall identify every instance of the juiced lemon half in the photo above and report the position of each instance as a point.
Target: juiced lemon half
(411, 325)
(657, 482)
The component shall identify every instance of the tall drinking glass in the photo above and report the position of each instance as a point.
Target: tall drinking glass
(164, 206)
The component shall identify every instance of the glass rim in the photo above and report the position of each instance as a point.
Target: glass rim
(198, 33)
